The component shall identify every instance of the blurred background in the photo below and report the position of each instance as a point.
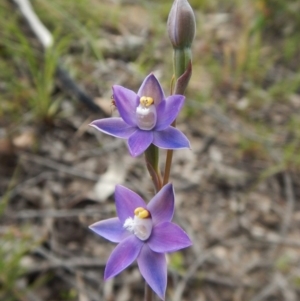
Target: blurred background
(237, 191)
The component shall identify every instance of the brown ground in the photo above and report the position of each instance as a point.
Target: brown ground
(242, 215)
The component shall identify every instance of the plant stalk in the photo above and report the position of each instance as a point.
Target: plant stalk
(152, 163)
(181, 64)
(168, 164)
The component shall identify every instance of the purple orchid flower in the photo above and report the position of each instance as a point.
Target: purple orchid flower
(146, 118)
(144, 232)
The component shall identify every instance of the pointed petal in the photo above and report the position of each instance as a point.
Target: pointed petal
(151, 87)
(114, 126)
(126, 101)
(168, 237)
(111, 229)
(170, 138)
(161, 206)
(139, 141)
(167, 111)
(153, 268)
(126, 202)
(122, 256)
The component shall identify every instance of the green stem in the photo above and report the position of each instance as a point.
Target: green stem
(152, 160)
(182, 59)
(168, 162)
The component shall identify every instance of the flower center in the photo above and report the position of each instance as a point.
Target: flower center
(146, 113)
(140, 225)
(146, 101)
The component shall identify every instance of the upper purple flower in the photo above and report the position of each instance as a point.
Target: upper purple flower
(146, 118)
(144, 232)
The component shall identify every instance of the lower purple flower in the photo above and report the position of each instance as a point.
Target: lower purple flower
(145, 118)
(143, 233)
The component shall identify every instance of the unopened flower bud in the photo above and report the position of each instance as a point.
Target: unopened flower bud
(181, 24)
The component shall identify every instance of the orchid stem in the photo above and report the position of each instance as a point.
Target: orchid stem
(152, 163)
(168, 166)
(148, 293)
(168, 162)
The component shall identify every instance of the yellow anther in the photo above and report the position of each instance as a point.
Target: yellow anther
(138, 210)
(146, 101)
(141, 212)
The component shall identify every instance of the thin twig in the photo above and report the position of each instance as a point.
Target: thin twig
(180, 287)
(93, 295)
(34, 181)
(60, 167)
(66, 263)
(106, 148)
(53, 259)
(278, 241)
(46, 213)
(290, 197)
(266, 291)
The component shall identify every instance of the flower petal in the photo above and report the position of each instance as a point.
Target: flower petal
(122, 256)
(170, 138)
(111, 229)
(114, 126)
(168, 237)
(139, 141)
(126, 102)
(161, 206)
(167, 111)
(126, 202)
(153, 267)
(152, 88)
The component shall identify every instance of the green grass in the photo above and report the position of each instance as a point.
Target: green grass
(15, 244)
